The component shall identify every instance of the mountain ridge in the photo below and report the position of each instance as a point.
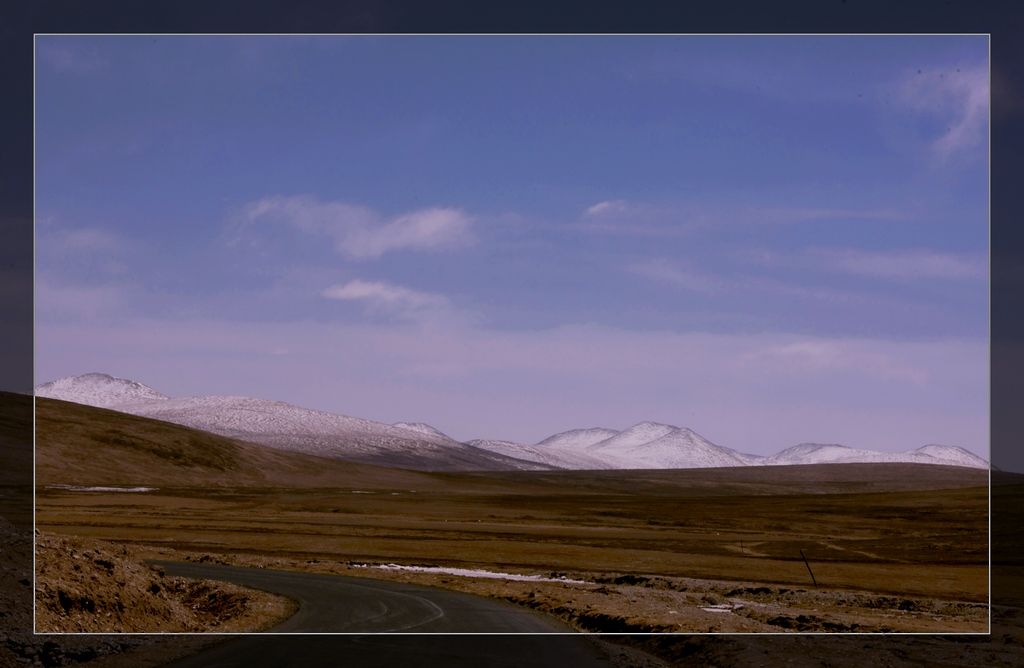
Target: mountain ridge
(419, 446)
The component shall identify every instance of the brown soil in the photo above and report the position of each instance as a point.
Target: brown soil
(94, 587)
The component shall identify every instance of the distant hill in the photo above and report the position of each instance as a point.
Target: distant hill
(85, 445)
(419, 446)
(287, 427)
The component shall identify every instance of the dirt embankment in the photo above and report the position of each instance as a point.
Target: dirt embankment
(19, 646)
(88, 585)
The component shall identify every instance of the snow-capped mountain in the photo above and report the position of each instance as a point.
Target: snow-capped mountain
(98, 389)
(415, 445)
(653, 445)
(563, 458)
(661, 446)
(828, 453)
(287, 427)
(647, 445)
(951, 453)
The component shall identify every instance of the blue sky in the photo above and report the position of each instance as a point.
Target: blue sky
(770, 240)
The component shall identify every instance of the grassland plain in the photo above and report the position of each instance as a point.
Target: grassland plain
(1004, 646)
(893, 547)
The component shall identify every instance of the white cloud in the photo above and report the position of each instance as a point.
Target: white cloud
(424, 308)
(361, 232)
(384, 293)
(607, 207)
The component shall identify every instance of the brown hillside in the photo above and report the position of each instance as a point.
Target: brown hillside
(84, 445)
(15, 438)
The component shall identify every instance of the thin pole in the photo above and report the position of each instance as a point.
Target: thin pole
(809, 568)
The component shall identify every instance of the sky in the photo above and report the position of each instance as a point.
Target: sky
(769, 240)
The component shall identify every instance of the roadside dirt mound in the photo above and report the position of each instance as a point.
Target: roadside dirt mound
(90, 586)
(20, 647)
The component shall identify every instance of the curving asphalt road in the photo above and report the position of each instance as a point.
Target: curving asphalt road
(334, 604)
(340, 604)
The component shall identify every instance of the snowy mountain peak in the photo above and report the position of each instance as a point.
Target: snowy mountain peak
(98, 389)
(638, 434)
(647, 425)
(578, 438)
(422, 428)
(952, 453)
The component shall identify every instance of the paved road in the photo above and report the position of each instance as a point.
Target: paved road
(339, 604)
(333, 604)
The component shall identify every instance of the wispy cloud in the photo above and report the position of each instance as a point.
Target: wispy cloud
(82, 255)
(957, 98)
(402, 303)
(606, 207)
(622, 217)
(687, 277)
(897, 265)
(61, 300)
(643, 219)
(378, 292)
(679, 275)
(821, 356)
(906, 265)
(82, 241)
(361, 232)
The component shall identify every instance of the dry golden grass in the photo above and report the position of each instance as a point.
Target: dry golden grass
(898, 529)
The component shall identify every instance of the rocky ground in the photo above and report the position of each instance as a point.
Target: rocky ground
(91, 586)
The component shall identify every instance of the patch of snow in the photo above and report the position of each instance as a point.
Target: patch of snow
(79, 488)
(578, 438)
(471, 573)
